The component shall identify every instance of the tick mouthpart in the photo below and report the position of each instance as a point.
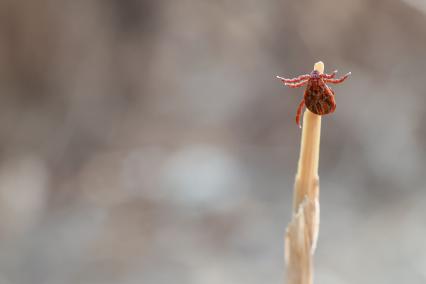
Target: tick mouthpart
(315, 74)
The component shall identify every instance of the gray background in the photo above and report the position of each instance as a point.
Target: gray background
(149, 142)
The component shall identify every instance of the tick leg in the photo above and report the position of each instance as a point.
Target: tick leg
(337, 81)
(329, 76)
(294, 80)
(299, 112)
(333, 102)
(297, 85)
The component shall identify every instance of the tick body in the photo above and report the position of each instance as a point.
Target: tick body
(318, 97)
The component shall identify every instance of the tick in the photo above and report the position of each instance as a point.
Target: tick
(318, 97)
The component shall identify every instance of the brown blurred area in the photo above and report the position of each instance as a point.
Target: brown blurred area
(149, 141)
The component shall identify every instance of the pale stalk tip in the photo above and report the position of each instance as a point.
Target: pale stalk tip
(319, 66)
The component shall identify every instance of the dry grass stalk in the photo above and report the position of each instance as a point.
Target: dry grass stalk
(302, 232)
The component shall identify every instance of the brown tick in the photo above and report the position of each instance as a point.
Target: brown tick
(318, 98)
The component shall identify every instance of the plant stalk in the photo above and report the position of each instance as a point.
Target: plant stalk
(302, 232)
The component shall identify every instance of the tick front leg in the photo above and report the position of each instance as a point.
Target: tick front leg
(297, 85)
(330, 76)
(294, 80)
(337, 81)
(299, 112)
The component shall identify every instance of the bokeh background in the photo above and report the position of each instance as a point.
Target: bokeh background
(149, 141)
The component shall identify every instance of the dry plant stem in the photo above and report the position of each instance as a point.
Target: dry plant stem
(302, 232)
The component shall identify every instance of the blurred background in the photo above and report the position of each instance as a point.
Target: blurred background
(149, 141)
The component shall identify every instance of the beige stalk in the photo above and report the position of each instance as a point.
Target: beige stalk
(302, 232)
